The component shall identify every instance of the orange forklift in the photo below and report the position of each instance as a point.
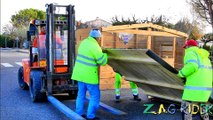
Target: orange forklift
(48, 71)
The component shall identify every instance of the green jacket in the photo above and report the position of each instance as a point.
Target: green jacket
(198, 72)
(89, 57)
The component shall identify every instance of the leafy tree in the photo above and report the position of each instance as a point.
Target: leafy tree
(23, 17)
(13, 32)
(5, 41)
(20, 23)
(21, 33)
(204, 9)
(205, 39)
(208, 37)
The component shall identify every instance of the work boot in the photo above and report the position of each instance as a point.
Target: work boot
(84, 115)
(136, 98)
(117, 99)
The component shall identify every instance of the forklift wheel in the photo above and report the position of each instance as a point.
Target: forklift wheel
(23, 85)
(35, 86)
(73, 94)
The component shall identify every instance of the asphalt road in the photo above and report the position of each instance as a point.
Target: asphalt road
(16, 103)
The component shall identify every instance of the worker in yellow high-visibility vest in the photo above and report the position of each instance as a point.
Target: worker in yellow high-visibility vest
(85, 71)
(198, 73)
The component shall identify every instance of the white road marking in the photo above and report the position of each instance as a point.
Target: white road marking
(6, 65)
(19, 63)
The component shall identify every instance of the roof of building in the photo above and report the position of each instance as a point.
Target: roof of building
(98, 23)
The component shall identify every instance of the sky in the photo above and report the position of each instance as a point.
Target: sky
(87, 10)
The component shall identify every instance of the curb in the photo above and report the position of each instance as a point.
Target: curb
(14, 50)
(21, 51)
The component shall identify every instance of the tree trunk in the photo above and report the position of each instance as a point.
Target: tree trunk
(209, 4)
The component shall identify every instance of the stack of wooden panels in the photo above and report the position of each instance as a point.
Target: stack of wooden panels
(107, 79)
(149, 75)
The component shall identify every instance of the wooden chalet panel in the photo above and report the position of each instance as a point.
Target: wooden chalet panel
(141, 42)
(179, 53)
(108, 40)
(81, 34)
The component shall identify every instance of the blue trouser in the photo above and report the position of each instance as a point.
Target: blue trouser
(42, 53)
(94, 93)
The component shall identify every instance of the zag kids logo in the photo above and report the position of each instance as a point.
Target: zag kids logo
(171, 109)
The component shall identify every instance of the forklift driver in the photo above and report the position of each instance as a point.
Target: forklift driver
(42, 37)
(41, 44)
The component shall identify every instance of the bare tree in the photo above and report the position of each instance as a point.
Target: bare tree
(10, 30)
(204, 9)
(193, 29)
(14, 32)
(21, 33)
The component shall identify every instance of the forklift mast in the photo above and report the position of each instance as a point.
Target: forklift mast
(60, 23)
(64, 28)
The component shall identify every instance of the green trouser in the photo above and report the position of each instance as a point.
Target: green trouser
(118, 79)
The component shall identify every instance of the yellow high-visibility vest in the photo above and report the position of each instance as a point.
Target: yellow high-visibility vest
(89, 57)
(198, 72)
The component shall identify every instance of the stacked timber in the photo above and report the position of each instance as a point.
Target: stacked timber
(107, 78)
